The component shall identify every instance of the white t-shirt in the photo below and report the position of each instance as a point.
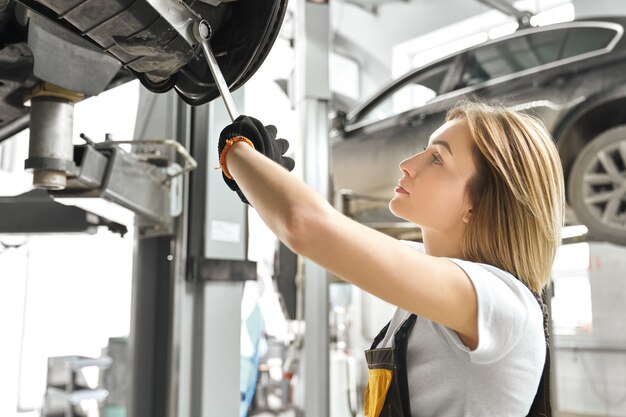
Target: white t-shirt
(500, 377)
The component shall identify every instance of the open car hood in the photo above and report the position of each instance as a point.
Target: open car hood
(89, 46)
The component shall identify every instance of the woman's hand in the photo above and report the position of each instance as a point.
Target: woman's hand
(264, 140)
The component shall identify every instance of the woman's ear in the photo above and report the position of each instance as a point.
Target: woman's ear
(467, 214)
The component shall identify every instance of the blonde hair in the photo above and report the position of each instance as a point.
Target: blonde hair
(517, 193)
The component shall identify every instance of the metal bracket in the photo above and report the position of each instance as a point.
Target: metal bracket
(103, 171)
(179, 15)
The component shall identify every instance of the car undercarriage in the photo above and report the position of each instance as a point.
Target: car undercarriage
(88, 46)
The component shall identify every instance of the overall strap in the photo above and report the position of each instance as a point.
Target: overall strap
(541, 406)
(400, 346)
(380, 336)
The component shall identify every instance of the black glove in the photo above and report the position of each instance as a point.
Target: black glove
(264, 140)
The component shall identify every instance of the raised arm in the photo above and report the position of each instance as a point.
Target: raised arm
(428, 286)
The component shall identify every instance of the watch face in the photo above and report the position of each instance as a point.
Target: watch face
(90, 46)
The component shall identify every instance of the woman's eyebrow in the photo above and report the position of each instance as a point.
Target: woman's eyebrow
(443, 143)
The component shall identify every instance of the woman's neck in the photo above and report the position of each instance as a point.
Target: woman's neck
(441, 245)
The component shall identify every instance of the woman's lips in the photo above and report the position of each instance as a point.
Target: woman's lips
(400, 190)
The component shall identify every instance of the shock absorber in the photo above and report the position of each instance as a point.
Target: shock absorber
(50, 154)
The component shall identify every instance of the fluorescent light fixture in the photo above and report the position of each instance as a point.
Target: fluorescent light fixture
(564, 13)
(449, 48)
(573, 231)
(503, 30)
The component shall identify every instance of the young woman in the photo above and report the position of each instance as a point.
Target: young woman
(468, 335)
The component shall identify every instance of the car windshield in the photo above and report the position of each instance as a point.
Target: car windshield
(487, 63)
(415, 92)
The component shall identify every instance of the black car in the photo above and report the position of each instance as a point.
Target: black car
(571, 75)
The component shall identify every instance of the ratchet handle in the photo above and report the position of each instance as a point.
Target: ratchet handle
(202, 32)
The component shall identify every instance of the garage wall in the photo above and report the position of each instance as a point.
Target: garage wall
(371, 36)
(586, 8)
(591, 368)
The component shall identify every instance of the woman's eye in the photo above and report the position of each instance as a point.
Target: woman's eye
(436, 159)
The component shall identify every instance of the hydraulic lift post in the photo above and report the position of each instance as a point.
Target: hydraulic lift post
(187, 287)
(312, 70)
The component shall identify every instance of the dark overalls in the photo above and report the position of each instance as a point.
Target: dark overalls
(387, 392)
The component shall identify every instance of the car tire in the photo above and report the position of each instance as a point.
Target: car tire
(597, 186)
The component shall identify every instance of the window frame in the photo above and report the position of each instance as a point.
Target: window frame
(447, 67)
(451, 62)
(619, 31)
(527, 42)
(558, 61)
(458, 59)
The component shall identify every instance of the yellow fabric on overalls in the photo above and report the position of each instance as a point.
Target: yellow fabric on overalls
(378, 382)
(387, 392)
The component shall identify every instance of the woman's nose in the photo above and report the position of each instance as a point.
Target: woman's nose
(408, 166)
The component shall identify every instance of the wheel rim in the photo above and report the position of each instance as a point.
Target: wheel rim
(604, 185)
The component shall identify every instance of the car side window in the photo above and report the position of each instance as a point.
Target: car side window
(511, 56)
(414, 92)
(582, 40)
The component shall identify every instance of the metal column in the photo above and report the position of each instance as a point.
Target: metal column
(313, 49)
(187, 286)
(149, 339)
(182, 295)
(152, 323)
(217, 268)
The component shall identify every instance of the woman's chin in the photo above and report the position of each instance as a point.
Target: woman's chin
(394, 209)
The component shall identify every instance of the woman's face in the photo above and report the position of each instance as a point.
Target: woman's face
(432, 189)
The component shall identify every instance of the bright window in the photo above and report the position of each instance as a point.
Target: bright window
(571, 304)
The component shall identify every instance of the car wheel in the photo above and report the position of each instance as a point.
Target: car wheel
(597, 186)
